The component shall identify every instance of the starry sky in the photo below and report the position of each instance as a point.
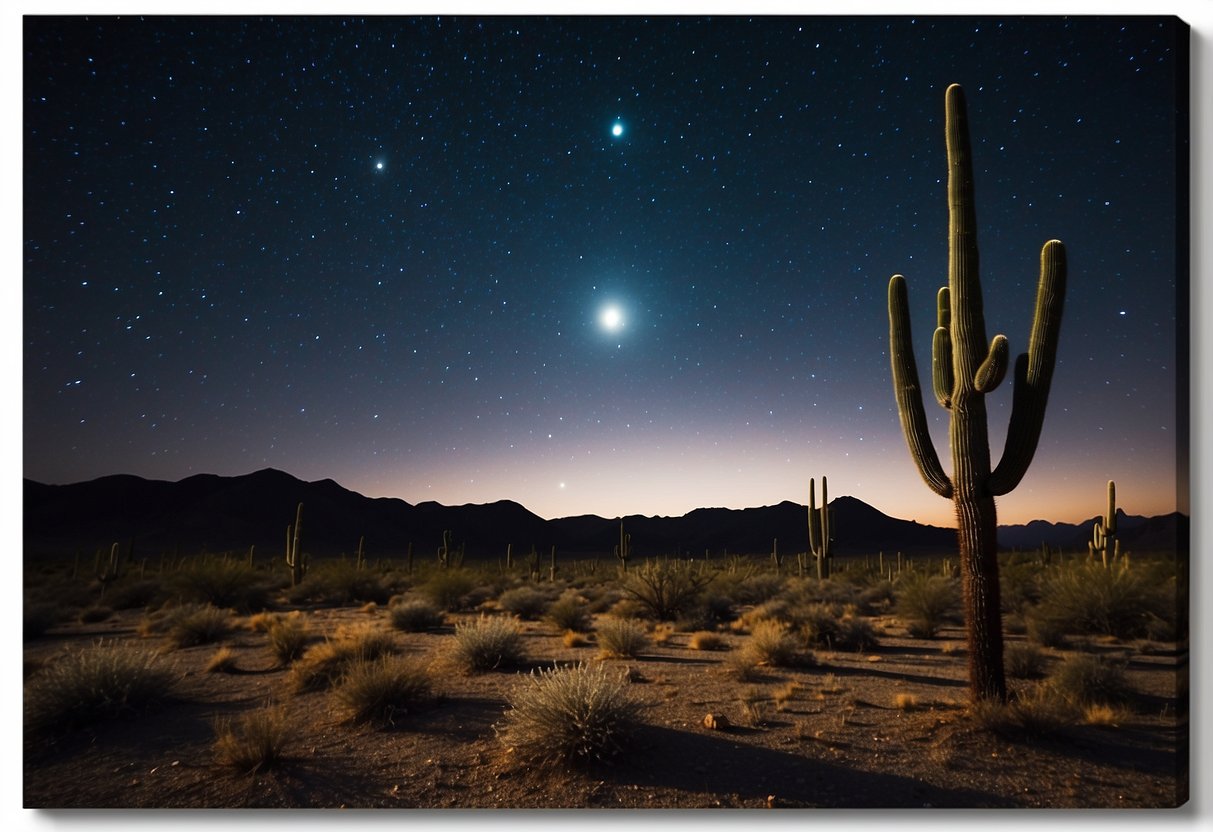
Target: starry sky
(605, 265)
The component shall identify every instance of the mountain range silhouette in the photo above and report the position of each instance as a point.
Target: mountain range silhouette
(211, 513)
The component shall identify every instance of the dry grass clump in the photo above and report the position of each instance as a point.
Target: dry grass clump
(104, 681)
(526, 602)
(193, 624)
(1034, 715)
(580, 714)
(572, 638)
(223, 661)
(1024, 661)
(771, 645)
(836, 627)
(416, 616)
(256, 741)
(378, 691)
(487, 643)
(1083, 679)
(288, 637)
(447, 588)
(704, 640)
(786, 694)
(621, 638)
(570, 612)
(754, 707)
(325, 664)
(925, 601)
(905, 702)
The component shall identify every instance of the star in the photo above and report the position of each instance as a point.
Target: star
(611, 318)
(617, 129)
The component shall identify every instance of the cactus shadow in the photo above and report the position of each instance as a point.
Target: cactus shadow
(721, 764)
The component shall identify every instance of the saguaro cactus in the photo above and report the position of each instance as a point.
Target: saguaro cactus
(623, 549)
(964, 369)
(110, 570)
(820, 531)
(294, 557)
(1103, 537)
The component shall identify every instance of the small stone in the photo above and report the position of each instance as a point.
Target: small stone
(716, 722)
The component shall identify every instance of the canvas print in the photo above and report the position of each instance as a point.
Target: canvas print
(588, 412)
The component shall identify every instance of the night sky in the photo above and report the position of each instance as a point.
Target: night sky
(593, 265)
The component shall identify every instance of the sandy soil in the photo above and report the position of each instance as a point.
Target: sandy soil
(883, 728)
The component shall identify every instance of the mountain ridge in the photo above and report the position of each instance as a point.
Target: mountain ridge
(209, 512)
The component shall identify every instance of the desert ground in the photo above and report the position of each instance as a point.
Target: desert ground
(888, 725)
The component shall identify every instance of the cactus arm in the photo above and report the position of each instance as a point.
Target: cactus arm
(941, 350)
(1033, 373)
(909, 396)
(991, 372)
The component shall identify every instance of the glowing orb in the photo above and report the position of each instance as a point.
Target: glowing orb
(611, 318)
(379, 166)
(617, 130)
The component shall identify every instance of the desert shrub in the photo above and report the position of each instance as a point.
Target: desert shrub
(771, 645)
(877, 597)
(100, 682)
(776, 609)
(446, 588)
(603, 600)
(1087, 599)
(378, 691)
(487, 643)
(820, 624)
(258, 740)
(630, 608)
(1045, 628)
(621, 638)
(37, 619)
(95, 614)
(571, 715)
(756, 589)
(415, 616)
(326, 663)
(223, 661)
(193, 624)
(854, 633)
(1023, 661)
(221, 582)
(1083, 679)
(288, 637)
(569, 612)
(706, 640)
(340, 582)
(131, 595)
(526, 602)
(1034, 715)
(925, 601)
(666, 587)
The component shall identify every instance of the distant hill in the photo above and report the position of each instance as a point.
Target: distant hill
(1143, 534)
(216, 514)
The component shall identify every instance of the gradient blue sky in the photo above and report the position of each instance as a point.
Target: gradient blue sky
(379, 251)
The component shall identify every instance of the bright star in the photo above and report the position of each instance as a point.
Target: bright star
(617, 129)
(379, 166)
(611, 318)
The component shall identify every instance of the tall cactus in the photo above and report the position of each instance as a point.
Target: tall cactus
(294, 558)
(965, 367)
(1103, 537)
(623, 549)
(820, 533)
(110, 570)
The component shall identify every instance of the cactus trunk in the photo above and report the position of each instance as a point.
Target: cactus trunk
(965, 367)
